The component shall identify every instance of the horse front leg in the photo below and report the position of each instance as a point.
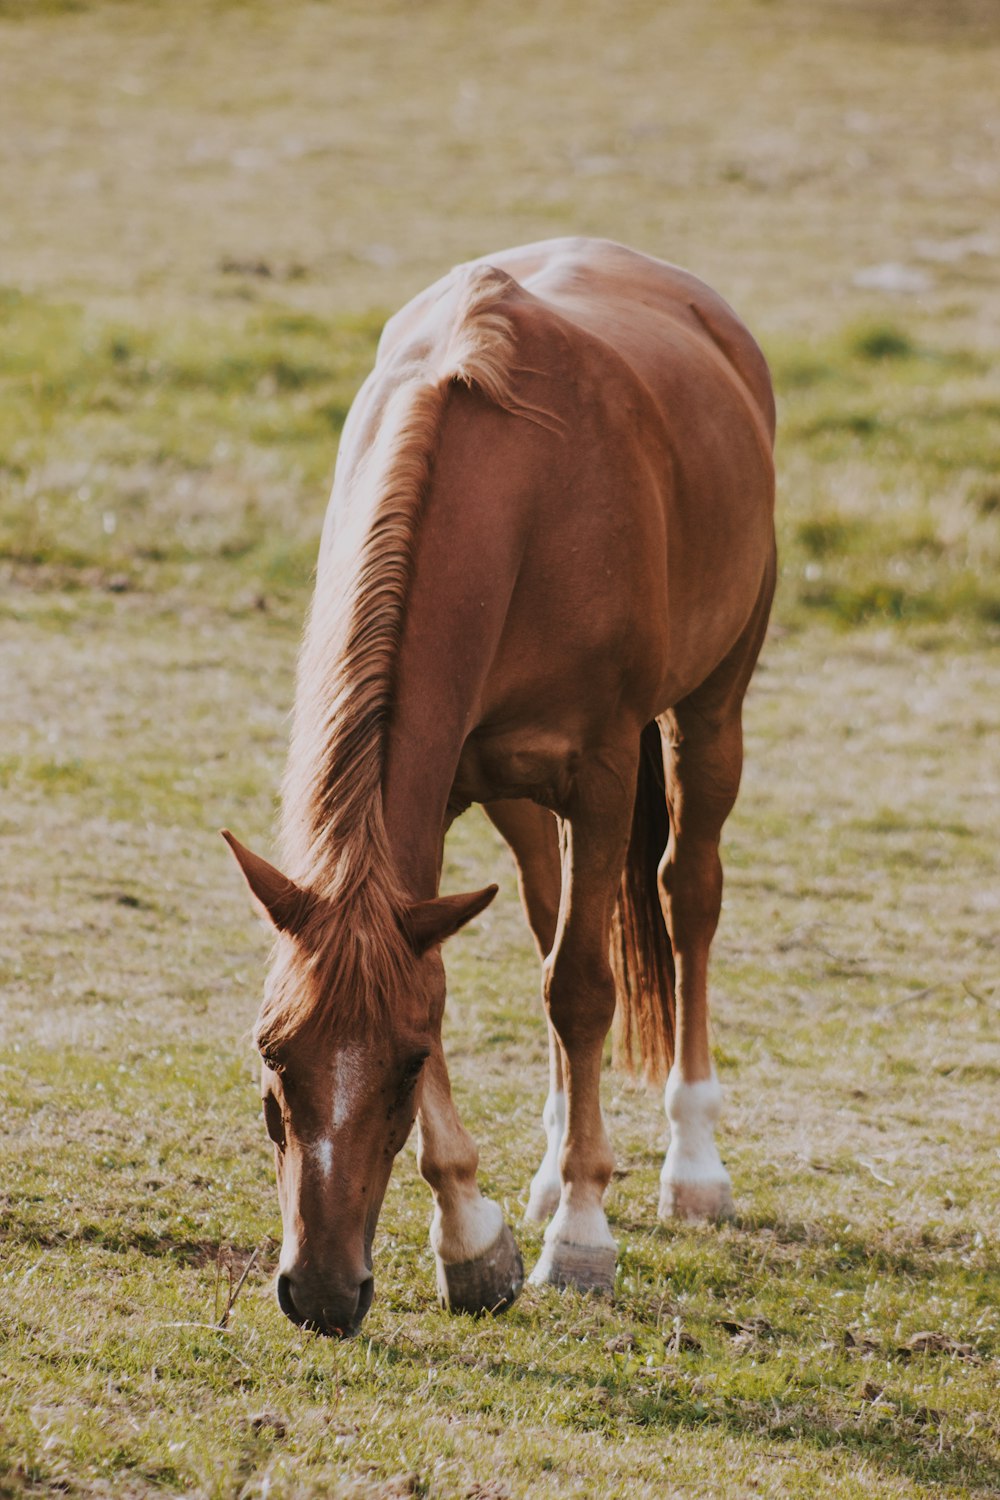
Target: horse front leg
(579, 989)
(532, 834)
(546, 1185)
(479, 1267)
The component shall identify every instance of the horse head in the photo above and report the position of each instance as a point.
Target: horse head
(352, 1012)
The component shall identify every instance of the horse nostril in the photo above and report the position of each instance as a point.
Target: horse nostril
(346, 1327)
(285, 1300)
(365, 1294)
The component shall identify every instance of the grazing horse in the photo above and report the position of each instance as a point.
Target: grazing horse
(544, 579)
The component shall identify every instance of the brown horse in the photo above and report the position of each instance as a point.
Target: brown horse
(544, 579)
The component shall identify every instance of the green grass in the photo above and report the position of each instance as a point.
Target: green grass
(208, 210)
(196, 433)
(128, 455)
(855, 1003)
(781, 1338)
(888, 452)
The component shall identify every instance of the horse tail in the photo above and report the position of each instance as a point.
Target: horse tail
(641, 954)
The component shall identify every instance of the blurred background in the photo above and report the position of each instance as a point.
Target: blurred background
(208, 207)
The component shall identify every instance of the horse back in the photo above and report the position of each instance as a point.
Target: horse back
(604, 286)
(613, 524)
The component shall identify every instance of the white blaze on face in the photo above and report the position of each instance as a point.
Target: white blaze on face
(322, 1151)
(348, 1080)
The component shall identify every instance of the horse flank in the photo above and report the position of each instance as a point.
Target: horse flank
(332, 832)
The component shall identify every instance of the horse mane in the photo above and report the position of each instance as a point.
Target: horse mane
(333, 837)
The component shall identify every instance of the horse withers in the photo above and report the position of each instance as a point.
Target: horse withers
(544, 579)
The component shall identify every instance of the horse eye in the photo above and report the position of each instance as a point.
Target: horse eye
(415, 1065)
(272, 1119)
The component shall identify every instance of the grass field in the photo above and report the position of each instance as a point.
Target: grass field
(207, 211)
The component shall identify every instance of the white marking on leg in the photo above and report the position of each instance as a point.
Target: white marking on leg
(572, 1224)
(465, 1229)
(693, 1111)
(586, 1225)
(546, 1185)
(694, 1182)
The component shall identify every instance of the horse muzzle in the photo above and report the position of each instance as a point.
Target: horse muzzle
(335, 1311)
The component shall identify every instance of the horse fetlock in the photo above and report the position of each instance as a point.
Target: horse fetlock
(465, 1227)
(489, 1283)
(448, 1163)
(452, 1181)
(693, 1184)
(692, 1108)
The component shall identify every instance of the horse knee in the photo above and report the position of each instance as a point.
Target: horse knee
(579, 997)
(690, 882)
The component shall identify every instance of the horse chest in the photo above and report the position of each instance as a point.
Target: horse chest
(494, 766)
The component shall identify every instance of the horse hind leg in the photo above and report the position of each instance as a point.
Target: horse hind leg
(532, 834)
(580, 998)
(704, 755)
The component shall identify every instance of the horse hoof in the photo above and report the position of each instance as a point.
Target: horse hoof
(488, 1284)
(696, 1202)
(542, 1203)
(586, 1268)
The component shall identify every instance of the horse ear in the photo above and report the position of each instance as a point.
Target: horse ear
(429, 922)
(285, 904)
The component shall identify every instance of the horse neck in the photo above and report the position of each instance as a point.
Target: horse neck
(433, 706)
(461, 583)
(419, 776)
(393, 796)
